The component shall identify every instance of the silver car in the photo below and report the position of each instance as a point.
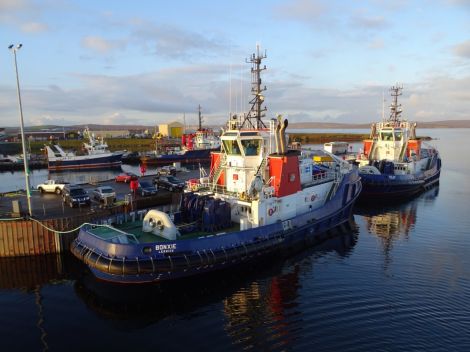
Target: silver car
(100, 193)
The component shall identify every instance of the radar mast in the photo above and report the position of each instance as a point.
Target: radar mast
(395, 108)
(254, 117)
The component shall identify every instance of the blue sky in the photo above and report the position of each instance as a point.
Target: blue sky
(146, 62)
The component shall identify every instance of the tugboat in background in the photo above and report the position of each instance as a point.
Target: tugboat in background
(195, 148)
(395, 163)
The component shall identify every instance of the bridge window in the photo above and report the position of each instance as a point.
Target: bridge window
(231, 147)
(398, 135)
(251, 147)
(386, 136)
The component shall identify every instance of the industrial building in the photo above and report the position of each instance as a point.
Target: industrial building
(173, 129)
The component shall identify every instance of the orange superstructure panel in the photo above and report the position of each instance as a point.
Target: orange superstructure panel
(216, 157)
(285, 171)
(367, 146)
(415, 145)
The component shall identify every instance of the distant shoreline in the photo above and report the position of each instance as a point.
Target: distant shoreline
(331, 125)
(292, 125)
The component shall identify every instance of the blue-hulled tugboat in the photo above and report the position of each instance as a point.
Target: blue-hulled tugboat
(394, 162)
(259, 198)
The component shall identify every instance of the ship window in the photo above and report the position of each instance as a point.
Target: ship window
(251, 146)
(386, 136)
(231, 147)
(398, 135)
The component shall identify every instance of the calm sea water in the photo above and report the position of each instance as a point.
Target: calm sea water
(397, 280)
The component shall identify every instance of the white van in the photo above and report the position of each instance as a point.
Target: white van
(336, 147)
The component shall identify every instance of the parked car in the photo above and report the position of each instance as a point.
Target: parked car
(146, 189)
(74, 195)
(166, 170)
(52, 186)
(125, 177)
(170, 183)
(104, 192)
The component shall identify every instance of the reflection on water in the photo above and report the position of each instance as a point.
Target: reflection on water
(250, 294)
(264, 314)
(29, 275)
(86, 176)
(394, 221)
(13, 181)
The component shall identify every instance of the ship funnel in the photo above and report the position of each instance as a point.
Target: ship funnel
(282, 137)
(276, 138)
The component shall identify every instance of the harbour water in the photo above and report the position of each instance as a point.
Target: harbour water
(397, 280)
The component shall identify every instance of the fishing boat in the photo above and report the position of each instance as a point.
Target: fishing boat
(395, 163)
(96, 156)
(259, 199)
(195, 148)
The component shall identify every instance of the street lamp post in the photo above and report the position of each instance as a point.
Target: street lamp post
(14, 49)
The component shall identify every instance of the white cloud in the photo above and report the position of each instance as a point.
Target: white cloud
(41, 120)
(13, 5)
(34, 27)
(377, 43)
(101, 45)
(154, 97)
(364, 21)
(174, 42)
(462, 49)
(308, 11)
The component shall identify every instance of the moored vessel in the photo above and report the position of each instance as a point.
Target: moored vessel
(97, 156)
(259, 198)
(195, 148)
(394, 162)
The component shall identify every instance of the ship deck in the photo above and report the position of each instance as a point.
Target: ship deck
(134, 234)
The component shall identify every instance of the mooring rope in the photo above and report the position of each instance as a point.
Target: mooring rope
(69, 231)
(12, 219)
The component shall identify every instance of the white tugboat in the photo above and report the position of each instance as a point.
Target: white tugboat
(258, 199)
(394, 162)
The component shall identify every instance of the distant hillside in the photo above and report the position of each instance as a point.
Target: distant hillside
(327, 125)
(293, 125)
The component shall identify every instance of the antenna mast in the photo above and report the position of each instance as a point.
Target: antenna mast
(200, 117)
(254, 117)
(395, 108)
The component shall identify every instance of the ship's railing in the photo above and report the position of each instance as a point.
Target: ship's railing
(401, 124)
(121, 237)
(323, 177)
(207, 186)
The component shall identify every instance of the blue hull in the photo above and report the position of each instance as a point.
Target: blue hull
(169, 260)
(398, 186)
(189, 157)
(99, 162)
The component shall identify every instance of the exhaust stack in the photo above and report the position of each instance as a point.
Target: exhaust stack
(276, 138)
(282, 137)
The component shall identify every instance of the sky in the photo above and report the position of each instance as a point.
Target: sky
(151, 62)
